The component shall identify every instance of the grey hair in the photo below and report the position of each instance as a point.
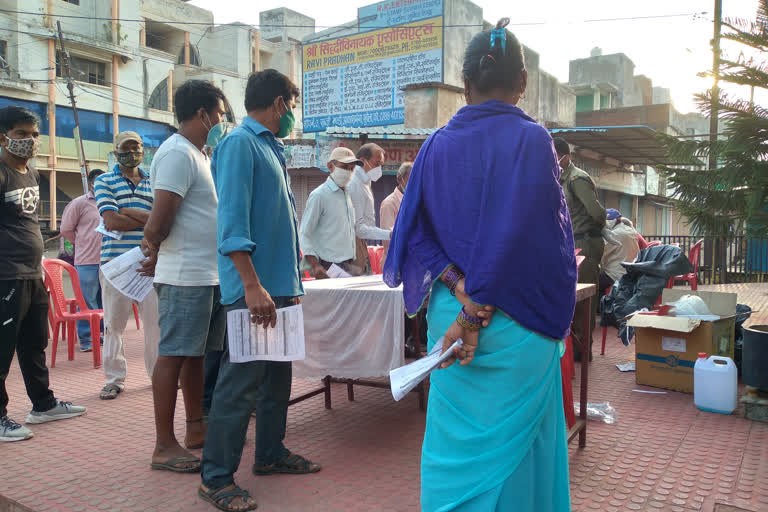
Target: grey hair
(404, 170)
(366, 151)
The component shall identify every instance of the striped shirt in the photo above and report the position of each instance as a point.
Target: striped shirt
(114, 191)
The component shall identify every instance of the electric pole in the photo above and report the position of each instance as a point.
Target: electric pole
(78, 140)
(715, 85)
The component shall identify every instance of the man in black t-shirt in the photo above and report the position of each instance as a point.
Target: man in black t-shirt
(23, 299)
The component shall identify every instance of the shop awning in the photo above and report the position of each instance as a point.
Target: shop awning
(380, 131)
(634, 145)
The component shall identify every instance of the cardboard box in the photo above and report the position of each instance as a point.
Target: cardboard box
(666, 347)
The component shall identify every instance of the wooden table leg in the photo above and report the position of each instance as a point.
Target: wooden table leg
(423, 394)
(327, 382)
(350, 390)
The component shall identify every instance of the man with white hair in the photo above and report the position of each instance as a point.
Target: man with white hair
(372, 157)
(327, 234)
(626, 250)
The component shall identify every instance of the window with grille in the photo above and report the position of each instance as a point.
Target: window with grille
(84, 70)
(3, 54)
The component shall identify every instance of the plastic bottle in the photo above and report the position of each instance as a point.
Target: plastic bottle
(715, 384)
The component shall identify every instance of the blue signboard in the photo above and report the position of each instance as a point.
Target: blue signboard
(397, 12)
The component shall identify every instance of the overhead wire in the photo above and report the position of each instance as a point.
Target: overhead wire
(283, 25)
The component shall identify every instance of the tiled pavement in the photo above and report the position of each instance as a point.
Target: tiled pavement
(663, 454)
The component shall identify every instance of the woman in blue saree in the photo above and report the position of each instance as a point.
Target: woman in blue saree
(484, 235)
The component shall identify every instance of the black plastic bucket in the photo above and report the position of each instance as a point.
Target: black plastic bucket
(755, 357)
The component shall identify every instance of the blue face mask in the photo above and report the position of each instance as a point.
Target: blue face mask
(217, 133)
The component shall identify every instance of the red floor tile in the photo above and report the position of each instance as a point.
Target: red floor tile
(663, 454)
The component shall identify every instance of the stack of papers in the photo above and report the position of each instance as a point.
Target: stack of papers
(402, 380)
(335, 271)
(123, 273)
(248, 341)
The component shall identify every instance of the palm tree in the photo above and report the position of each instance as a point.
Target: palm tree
(733, 195)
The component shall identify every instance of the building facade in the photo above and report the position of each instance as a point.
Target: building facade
(127, 59)
(609, 94)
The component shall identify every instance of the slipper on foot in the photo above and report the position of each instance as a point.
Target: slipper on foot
(175, 464)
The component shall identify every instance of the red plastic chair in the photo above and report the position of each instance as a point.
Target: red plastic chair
(567, 372)
(375, 254)
(306, 276)
(54, 282)
(136, 316)
(691, 278)
(605, 328)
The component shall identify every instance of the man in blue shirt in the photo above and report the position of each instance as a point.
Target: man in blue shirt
(258, 262)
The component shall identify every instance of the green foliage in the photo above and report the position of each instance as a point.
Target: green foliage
(735, 193)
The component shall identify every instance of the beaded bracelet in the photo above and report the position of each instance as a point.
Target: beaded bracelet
(451, 278)
(469, 322)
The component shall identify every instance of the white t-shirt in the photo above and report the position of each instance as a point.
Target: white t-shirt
(188, 256)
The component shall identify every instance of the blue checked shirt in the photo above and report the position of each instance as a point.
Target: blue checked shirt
(114, 191)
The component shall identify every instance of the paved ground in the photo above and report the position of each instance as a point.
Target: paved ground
(663, 454)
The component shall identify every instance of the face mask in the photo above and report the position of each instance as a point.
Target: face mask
(375, 173)
(401, 189)
(287, 121)
(23, 148)
(217, 133)
(130, 159)
(560, 161)
(341, 176)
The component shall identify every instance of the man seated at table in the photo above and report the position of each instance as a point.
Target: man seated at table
(624, 232)
(327, 234)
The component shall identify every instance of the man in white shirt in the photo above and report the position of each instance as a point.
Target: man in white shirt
(626, 250)
(360, 192)
(180, 239)
(327, 234)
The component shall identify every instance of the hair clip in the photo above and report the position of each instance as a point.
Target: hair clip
(499, 34)
(487, 60)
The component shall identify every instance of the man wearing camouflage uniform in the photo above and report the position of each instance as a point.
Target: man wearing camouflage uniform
(588, 220)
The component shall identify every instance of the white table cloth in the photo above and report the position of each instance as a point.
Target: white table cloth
(353, 328)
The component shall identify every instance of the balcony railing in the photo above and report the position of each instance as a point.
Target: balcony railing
(738, 259)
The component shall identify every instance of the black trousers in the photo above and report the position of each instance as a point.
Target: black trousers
(24, 331)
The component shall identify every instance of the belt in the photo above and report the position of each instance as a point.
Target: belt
(586, 236)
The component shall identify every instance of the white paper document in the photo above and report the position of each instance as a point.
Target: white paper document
(251, 342)
(402, 380)
(117, 235)
(122, 273)
(335, 271)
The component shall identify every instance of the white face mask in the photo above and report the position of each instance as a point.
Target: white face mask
(341, 176)
(375, 173)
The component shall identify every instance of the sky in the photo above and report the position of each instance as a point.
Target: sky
(671, 51)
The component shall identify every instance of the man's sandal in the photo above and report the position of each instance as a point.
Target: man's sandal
(292, 464)
(222, 499)
(178, 465)
(110, 392)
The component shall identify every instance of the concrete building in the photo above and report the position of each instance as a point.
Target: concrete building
(364, 83)
(610, 95)
(125, 73)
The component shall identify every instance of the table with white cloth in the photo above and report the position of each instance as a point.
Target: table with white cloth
(354, 329)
